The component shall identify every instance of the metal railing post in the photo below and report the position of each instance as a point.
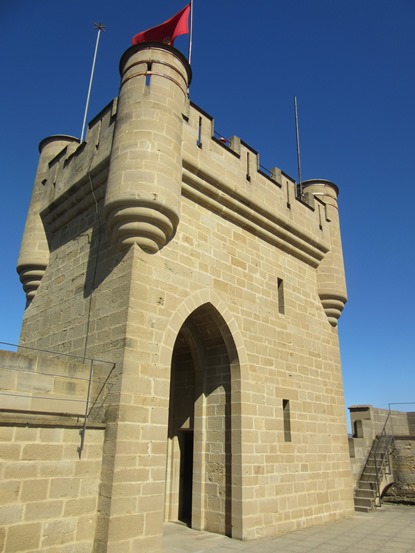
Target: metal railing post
(83, 431)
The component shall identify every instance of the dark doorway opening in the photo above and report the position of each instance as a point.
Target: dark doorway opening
(186, 477)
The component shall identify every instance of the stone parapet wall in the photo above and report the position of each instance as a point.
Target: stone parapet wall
(226, 177)
(396, 425)
(368, 422)
(48, 495)
(73, 167)
(39, 382)
(49, 475)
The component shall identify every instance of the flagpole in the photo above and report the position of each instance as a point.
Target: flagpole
(297, 134)
(100, 27)
(190, 33)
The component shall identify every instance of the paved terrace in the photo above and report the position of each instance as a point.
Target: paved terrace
(390, 529)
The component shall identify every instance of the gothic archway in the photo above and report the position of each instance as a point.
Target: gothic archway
(203, 424)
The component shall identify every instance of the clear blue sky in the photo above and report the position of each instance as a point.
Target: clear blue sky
(351, 65)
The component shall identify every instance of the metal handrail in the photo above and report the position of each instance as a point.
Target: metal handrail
(88, 394)
(399, 403)
(378, 470)
(222, 139)
(46, 374)
(57, 353)
(89, 380)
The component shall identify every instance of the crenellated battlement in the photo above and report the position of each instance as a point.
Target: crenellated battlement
(224, 170)
(73, 162)
(70, 170)
(229, 173)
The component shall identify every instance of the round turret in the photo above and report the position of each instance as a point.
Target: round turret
(330, 273)
(142, 203)
(34, 250)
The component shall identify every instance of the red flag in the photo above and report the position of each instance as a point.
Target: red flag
(167, 31)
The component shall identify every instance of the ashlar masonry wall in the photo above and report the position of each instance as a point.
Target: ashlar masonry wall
(49, 496)
(49, 489)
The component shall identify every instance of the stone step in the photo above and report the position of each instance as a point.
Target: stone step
(368, 476)
(371, 462)
(364, 502)
(370, 494)
(367, 485)
(381, 452)
(362, 509)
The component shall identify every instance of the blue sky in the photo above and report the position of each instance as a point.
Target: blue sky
(351, 66)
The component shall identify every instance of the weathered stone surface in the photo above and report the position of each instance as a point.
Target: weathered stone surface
(403, 462)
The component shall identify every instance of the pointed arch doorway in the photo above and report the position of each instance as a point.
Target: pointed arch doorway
(202, 461)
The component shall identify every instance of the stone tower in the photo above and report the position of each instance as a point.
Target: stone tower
(215, 291)
(34, 250)
(142, 203)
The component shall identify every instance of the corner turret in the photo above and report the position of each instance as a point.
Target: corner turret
(330, 273)
(34, 250)
(142, 203)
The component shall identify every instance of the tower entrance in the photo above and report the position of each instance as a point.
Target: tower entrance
(199, 464)
(186, 476)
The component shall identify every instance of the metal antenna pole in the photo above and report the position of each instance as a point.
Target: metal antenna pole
(189, 57)
(100, 27)
(297, 133)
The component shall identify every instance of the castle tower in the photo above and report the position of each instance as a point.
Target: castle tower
(330, 274)
(142, 203)
(34, 250)
(213, 292)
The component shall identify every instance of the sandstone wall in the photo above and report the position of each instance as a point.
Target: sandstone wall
(49, 476)
(403, 462)
(129, 311)
(48, 495)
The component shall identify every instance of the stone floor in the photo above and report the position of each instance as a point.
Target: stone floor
(390, 529)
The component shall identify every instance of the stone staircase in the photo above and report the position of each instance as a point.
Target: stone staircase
(373, 478)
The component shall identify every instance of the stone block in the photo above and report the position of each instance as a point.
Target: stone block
(41, 452)
(52, 435)
(81, 506)
(11, 514)
(34, 490)
(64, 488)
(126, 527)
(86, 468)
(82, 547)
(89, 487)
(6, 433)
(21, 470)
(85, 529)
(23, 537)
(9, 491)
(58, 532)
(56, 468)
(9, 451)
(41, 510)
(27, 434)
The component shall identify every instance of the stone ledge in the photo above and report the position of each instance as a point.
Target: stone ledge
(18, 418)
